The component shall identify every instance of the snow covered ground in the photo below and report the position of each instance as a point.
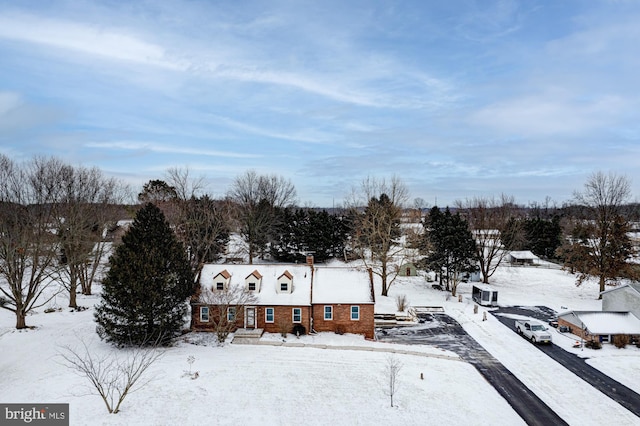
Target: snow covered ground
(267, 384)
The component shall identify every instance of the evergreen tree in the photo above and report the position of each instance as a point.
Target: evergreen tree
(308, 231)
(543, 237)
(145, 291)
(449, 246)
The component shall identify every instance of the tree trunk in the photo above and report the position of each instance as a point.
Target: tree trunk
(602, 284)
(20, 319)
(72, 296)
(383, 276)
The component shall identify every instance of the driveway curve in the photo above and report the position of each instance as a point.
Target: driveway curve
(446, 333)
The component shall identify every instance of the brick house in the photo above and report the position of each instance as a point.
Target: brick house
(600, 326)
(304, 298)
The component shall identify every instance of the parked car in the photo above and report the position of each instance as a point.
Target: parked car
(533, 330)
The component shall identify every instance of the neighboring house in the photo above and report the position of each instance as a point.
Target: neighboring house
(523, 258)
(290, 297)
(408, 270)
(623, 298)
(600, 325)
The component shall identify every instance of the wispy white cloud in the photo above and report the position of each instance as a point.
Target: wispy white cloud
(166, 149)
(104, 42)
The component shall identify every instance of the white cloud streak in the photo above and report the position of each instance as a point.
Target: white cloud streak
(166, 149)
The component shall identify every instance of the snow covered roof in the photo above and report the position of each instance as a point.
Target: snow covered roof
(341, 285)
(631, 286)
(523, 255)
(333, 285)
(267, 295)
(603, 322)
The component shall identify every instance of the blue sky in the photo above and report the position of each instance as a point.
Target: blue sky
(459, 98)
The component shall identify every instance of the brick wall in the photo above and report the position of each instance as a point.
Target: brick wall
(282, 314)
(342, 319)
(577, 330)
(283, 317)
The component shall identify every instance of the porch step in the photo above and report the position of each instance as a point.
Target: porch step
(247, 336)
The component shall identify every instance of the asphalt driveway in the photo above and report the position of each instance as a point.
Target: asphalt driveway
(605, 384)
(446, 333)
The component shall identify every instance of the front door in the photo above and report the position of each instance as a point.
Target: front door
(251, 317)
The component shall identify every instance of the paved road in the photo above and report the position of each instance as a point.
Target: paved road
(445, 332)
(605, 384)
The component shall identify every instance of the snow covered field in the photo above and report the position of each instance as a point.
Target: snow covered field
(276, 385)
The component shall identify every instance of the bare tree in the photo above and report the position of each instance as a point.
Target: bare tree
(28, 252)
(377, 231)
(111, 377)
(184, 185)
(487, 218)
(86, 206)
(603, 242)
(256, 197)
(225, 306)
(392, 371)
(204, 230)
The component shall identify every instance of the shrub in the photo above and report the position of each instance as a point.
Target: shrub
(593, 344)
(340, 329)
(284, 326)
(621, 340)
(401, 302)
(299, 330)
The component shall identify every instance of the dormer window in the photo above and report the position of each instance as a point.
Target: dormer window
(285, 283)
(252, 282)
(221, 280)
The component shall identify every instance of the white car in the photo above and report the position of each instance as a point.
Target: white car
(534, 330)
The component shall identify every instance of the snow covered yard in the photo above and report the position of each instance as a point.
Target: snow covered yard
(266, 384)
(242, 384)
(573, 399)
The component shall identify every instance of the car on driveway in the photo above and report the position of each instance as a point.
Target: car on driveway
(534, 330)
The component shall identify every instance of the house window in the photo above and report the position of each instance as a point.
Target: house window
(219, 286)
(252, 286)
(231, 313)
(328, 312)
(204, 314)
(355, 313)
(268, 315)
(297, 315)
(284, 287)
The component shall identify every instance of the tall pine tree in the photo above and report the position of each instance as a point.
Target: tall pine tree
(145, 292)
(449, 246)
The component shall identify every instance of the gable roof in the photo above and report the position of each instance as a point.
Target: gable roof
(255, 274)
(335, 285)
(634, 287)
(286, 274)
(224, 273)
(267, 295)
(603, 322)
(326, 285)
(523, 255)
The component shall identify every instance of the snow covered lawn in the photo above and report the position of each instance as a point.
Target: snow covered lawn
(243, 384)
(267, 384)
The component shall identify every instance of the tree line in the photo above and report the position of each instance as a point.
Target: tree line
(57, 221)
